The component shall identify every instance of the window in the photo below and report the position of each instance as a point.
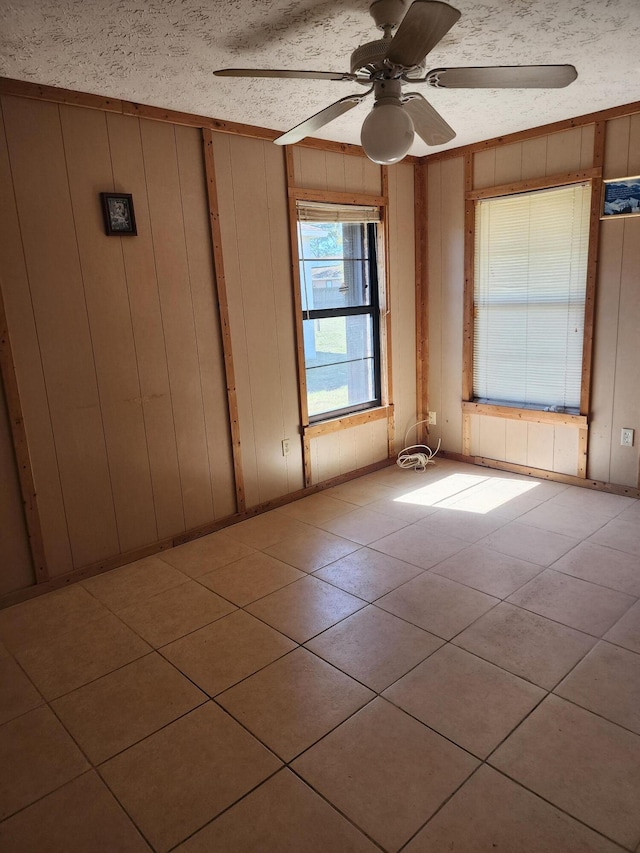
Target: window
(529, 298)
(337, 251)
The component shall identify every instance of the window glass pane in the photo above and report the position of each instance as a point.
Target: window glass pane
(334, 284)
(340, 363)
(333, 265)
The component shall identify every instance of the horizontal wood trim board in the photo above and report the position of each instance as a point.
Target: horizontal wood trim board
(30, 592)
(529, 415)
(36, 91)
(327, 427)
(542, 474)
(542, 183)
(335, 197)
(23, 89)
(532, 133)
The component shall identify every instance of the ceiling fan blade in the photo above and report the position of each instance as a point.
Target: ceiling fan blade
(427, 122)
(426, 22)
(315, 122)
(503, 77)
(274, 72)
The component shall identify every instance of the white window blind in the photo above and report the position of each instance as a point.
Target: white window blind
(529, 298)
(317, 211)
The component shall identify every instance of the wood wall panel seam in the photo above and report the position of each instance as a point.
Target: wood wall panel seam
(223, 307)
(21, 449)
(83, 280)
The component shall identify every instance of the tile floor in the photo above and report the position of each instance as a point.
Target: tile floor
(444, 661)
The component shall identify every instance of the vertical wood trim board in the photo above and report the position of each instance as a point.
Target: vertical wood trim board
(592, 269)
(469, 244)
(422, 289)
(29, 369)
(23, 460)
(297, 307)
(385, 326)
(223, 307)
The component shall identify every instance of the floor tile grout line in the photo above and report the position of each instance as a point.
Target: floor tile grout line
(158, 649)
(450, 641)
(229, 807)
(442, 805)
(595, 713)
(334, 806)
(123, 807)
(378, 694)
(555, 805)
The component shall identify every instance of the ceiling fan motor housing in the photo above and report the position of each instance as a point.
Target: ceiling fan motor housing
(369, 57)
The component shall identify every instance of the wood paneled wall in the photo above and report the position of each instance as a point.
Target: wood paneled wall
(116, 340)
(616, 390)
(615, 401)
(252, 201)
(326, 170)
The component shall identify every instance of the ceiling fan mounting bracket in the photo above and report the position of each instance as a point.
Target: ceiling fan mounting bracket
(388, 14)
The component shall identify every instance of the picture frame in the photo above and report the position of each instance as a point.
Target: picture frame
(119, 216)
(621, 197)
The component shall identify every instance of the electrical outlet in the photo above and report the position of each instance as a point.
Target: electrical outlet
(626, 437)
(431, 418)
(286, 446)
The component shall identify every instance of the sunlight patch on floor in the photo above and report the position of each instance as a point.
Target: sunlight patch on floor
(468, 493)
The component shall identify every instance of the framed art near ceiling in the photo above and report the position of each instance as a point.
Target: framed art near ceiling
(621, 197)
(119, 218)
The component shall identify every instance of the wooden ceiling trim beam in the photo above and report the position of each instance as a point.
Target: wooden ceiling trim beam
(533, 132)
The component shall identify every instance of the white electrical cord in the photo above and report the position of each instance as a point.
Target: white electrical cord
(416, 456)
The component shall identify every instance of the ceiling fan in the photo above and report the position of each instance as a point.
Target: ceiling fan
(388, 64)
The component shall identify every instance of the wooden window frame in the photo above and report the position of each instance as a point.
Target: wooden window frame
(379, 409)
(470, 406)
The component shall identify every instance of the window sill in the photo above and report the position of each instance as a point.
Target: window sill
(535, 416)
(346, 421)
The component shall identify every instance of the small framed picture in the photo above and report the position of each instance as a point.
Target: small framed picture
(621, 197)
(119, 218)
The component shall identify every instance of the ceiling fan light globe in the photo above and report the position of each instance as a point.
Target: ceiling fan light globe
(387, 133)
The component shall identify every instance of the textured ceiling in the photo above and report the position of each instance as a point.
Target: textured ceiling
(162, 52)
